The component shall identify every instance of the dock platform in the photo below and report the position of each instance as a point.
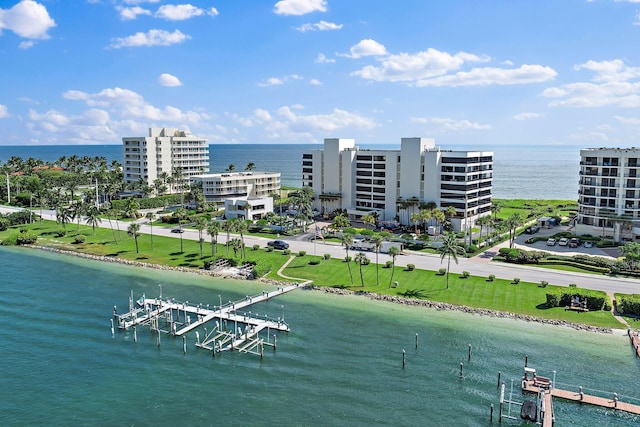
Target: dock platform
(233, 330)
(635, 341)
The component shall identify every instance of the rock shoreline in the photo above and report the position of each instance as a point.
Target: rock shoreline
(240, 275)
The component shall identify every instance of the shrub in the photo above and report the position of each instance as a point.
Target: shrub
(411, 267)
(573, 285)
(60, 233)
(256, 247)
(232, 262)
(314, 262)
(544, 283)
(261, 268)
(269, 248)
(326, 257)
(80, 238)
(629, 304)
(441, 272)
(388, 264)
(516, 280)
(286, 252)
(347, 259)
(491, 277)
(302, 253)
(465, 274)
(553, 300)
(26, 238)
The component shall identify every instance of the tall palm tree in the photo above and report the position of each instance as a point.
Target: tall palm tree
(393, 253)
(368, 219)
(376, 241)
(241, 228)
(250, 166)
(415, 218)
(513, 222)
(212, 230)
(231, 168)
(450, 248)
(200, 225)
(150, 216)
(276, 200)
(229, 226)
(495, 208)
(132, 208)
(482, 222)
(347, 242)
(236, 245)
(134, 231)
(361, 259)
(93, 217)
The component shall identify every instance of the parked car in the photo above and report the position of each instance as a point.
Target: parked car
(574, 242)
(563, 241)
(588, 244)
(278, 244)
(177, 230)
(551, 241)
(532, 230)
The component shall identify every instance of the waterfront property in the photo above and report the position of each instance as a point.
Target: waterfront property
(609, 193)
(394, 183)
(250, 186)
(163, 151)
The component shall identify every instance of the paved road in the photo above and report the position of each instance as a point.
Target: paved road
(478, 266)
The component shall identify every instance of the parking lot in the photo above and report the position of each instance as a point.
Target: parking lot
(557, 248)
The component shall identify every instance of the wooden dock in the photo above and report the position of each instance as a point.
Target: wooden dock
(635, 341)
(176, 318)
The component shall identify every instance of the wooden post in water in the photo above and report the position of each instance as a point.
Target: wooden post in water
(526, 360)
(184, 344)
(275, 342)
(499, 375)
(491, 413)
(135, 334)
(469, 358)
(461, 364)
(404, 354)
(112, 330)
(416, 341)
(158, 338)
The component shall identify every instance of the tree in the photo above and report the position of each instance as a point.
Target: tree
(134, 231)
(150, 216)
(93, 217)
(495, 208)
(303, 199)
(631, 252)
(250, 166)
(368, 219)
(241, 228)
(132, 208)
(276, 200)
(212, 230)
(180, 214)
(393, 253)
(376, 241)
(347, 242)
(450, 248)
(513, 222)
(200, 225)
(340, 222)
(361, 259)
(236, 245)
(482, 222)
(231, 168)
(415, 218)
(229, 226)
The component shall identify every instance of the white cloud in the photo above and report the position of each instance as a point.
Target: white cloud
(614, 84)
(527, 116)
(140, 1)
(131, 13)
(168, 80)
(633, 121)
(448, 124)
(277, 81)
(26, 44)
(366, 47)
(315, 82)
(321, 59)
(27, 19)
(4, 111)
(150, 38)
(319, 26)
(493, 76)
(181, 12)
(299, 7)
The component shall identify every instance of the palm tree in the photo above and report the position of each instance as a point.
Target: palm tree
(450, 248)
(200, 225)
(361, 259)
(134, 231)
(132, 208)
(212, 230)
(513, 222)
(241, 228)
(393, 253)
(415, 218)
(440, 218)
(368, 219)
(93, 217)
(236, 245)
(347, 242)
(631, 252)
(231, 168)
(180, 214)
(276, 200)
(250, 166)
(495, 208)
(376, 241)
(229, 226)
(482, 222)
(150, 216)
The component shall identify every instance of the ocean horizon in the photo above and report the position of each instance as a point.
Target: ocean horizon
(520, 172)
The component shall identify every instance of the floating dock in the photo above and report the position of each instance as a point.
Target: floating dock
(635, 341)
(233, 329)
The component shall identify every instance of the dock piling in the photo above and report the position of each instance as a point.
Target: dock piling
(491, 413)
(113, 332)
(184, 344)
(404, 355)
(526, 360)
(135, 335)
(469, 358)
(461, 365)
(416, 341)
(499, 375)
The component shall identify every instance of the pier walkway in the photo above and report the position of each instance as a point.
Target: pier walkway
(176, 318)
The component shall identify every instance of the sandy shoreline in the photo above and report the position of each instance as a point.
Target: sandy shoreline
(238, 275)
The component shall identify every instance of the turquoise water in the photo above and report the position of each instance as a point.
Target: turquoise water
(341, 364)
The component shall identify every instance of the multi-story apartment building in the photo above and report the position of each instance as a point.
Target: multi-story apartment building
(162, 151)
(218, 187)
(609, 193)
(394, 183)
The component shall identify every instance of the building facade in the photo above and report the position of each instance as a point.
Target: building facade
(161, 152)
(249, 185)
(609, 193)
(394, 183)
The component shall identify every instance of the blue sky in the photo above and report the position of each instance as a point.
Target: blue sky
(471, 73)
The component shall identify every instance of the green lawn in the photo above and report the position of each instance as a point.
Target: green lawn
(524, 298)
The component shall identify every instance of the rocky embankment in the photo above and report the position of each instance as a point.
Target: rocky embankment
(463, 308)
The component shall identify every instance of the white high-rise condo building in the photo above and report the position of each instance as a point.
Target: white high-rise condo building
(609, 193)
(163, 151)
(395, 183)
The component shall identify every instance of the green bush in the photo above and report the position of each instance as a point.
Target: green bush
(441, 272)
(286, 252)
(61, 233)
(347, 259)
(553, 300)
(256, 247)
(544, 283)
(302, 253)
(261, 268)
(388, 264)
(465, 275)
(269, 248)
(314, 262)
(26, 238)
(411, 267)
(80, 238)
(629, 304)
(326, 257)
(516, 280)
(491, 277)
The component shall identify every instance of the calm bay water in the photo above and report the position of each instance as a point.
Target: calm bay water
(340, 364)
(529, 172)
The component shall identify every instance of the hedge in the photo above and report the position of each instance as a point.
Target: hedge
(595, 269)
(629, 304)
(596, 300)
